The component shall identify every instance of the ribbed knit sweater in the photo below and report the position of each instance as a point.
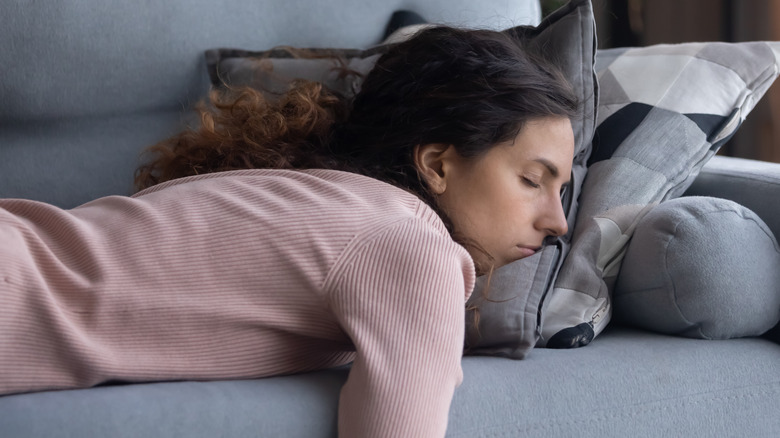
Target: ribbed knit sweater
(241, 274)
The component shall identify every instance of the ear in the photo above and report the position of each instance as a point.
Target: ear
(433, 162)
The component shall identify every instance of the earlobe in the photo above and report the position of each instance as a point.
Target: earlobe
(431, 162)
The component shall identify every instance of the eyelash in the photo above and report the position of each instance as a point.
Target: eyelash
(531, 183)
(536, 186)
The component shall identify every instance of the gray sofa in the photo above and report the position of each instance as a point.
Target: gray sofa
(86, 85)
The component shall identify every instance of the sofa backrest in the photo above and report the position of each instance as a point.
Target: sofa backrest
(81, 58)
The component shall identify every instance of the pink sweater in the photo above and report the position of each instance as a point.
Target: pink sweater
(241, 274)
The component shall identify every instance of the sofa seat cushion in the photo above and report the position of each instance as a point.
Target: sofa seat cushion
(627, 384)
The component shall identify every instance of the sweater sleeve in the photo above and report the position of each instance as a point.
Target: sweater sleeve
(400, 297)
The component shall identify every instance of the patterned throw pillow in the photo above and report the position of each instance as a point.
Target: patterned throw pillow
(664, 111)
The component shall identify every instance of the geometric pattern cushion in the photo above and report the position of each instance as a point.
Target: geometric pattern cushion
(663, 112)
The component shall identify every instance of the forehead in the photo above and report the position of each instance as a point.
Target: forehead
(548, 141)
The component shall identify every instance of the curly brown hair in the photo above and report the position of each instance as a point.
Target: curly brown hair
(242, 129)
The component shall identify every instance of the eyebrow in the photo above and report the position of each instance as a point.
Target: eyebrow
(552, 168)
(549, 165)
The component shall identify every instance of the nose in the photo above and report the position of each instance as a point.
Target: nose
(553, 220)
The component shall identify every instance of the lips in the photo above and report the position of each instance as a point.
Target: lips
(527, 250)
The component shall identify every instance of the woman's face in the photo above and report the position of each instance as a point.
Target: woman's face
(509, 199)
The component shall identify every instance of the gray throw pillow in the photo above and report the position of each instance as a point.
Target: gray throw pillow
(700, 267)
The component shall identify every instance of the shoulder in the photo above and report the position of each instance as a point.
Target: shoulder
(347, 198)
(414, 257)
(281, 176)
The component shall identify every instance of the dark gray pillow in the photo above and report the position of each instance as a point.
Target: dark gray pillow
(700, 267)
(271, 71)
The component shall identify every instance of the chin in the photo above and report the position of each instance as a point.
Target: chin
(483, 267)
(484, 263)
(488, 267)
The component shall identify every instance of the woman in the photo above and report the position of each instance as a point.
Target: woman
(301, 234)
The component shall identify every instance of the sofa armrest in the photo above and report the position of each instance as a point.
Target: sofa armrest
(754, 184)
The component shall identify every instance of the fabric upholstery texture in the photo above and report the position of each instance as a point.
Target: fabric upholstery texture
(118, 58)
(70, 162)
(748, 182)
(700, 267)
(630, 383)
(663, 112)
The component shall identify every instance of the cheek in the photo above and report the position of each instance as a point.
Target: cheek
(492, 208)
(508, 201)
(467, 207)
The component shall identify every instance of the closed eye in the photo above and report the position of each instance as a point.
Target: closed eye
(531, 183)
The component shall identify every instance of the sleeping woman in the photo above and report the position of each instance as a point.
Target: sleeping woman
(307, 232)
